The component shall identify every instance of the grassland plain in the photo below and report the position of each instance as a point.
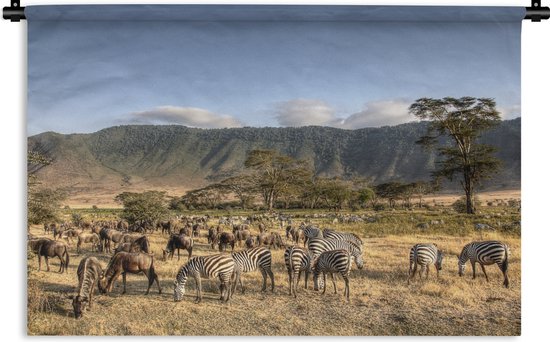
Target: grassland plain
(381, 301)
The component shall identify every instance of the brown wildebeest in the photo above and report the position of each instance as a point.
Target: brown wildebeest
(96, 229)
(139, 245)
(242, 235)
(89, 274)
(211, 236)
(223, 239)
(131, 237)
(122, 225)
(70, 234)
(272, 240)
(178, 242)
(124, 262)
(57, 231)
(107, 235)
(48, 249)
(187, 231)
(249, 243)
(87, 237)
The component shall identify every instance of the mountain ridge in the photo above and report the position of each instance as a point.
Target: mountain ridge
(123, 157)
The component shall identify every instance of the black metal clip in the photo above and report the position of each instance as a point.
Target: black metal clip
(15, 12)
(536, 12)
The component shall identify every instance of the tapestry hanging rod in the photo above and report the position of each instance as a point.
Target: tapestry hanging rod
(535, 12)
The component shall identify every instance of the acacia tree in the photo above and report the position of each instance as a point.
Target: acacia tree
(145, 207)
(275, 173)
(242, 186)
(462, 120)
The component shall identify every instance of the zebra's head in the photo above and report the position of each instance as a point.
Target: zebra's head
(439, 261)
(179, 285)
(358, 259)
(318, 281)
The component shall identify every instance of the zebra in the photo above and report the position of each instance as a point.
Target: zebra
(219, 265)
(310, 232)
(319, 245)
(424, 254)
(337, 261)
(297, 260)
(486, 253)
(249, 260)
(350, 237)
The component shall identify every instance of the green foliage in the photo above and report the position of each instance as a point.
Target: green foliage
(462, 120)
(43, 205)
(145, 207)
(460, 204)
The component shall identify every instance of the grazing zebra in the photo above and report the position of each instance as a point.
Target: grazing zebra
(310, 232)
(249, 260)
(297, 260)
(424, 254)
(338, 261)
(89, 273)
(219, 265)
(350, 237)
(319, 245)
(486, 253)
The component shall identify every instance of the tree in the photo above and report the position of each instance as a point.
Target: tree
(275, 173)
(462, 120)
(42, 204)
(391, 191)
(140, 208)
(242, 186)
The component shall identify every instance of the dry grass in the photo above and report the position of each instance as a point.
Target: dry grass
(381, 301)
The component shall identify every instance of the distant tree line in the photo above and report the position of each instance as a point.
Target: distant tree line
(279, 181)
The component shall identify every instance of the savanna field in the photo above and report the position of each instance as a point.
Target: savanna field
(381, 301)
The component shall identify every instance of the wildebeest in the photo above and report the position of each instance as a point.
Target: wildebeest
(223, 239)
(131, 237)
(139, 245)
(272, 240)
(241, 235)
(249, 243)
(70, 234)
(107, 235)
(122, 225)
(134, 263)
(48, 249)
(178, 242)
(211, 236)
(89, 274)
(87, 237)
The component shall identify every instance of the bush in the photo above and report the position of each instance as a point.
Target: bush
(460, 204)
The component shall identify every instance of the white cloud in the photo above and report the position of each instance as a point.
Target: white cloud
(380, 113)
(187, 116)
(307, 112)
(510, 112)
(304, 112)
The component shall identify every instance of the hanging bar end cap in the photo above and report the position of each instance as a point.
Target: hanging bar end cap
(15, 12)
(536, 12)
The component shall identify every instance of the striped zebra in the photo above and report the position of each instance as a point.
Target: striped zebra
(337, 261)
(317, 246)
(485, 253)
(249, 260)
(298, 260)
(219, 265)
(350, 237)
(310, 232)
(424, 254)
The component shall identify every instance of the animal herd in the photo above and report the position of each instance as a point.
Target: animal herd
(325, 252)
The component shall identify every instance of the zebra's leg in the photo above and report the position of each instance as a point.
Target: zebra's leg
(346, 291)
(295, 283)
(264, 275)
(473, 269)
(324, 282)
(199, 289)
(483, 269)
(410, 272)
(427, 271)
(290, 282)
(306, 275)
(241, 283)
(414, 271)
(272, 277)
(334, 283)
(504, 269)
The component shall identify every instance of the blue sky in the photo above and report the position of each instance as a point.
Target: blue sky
(85, 76)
